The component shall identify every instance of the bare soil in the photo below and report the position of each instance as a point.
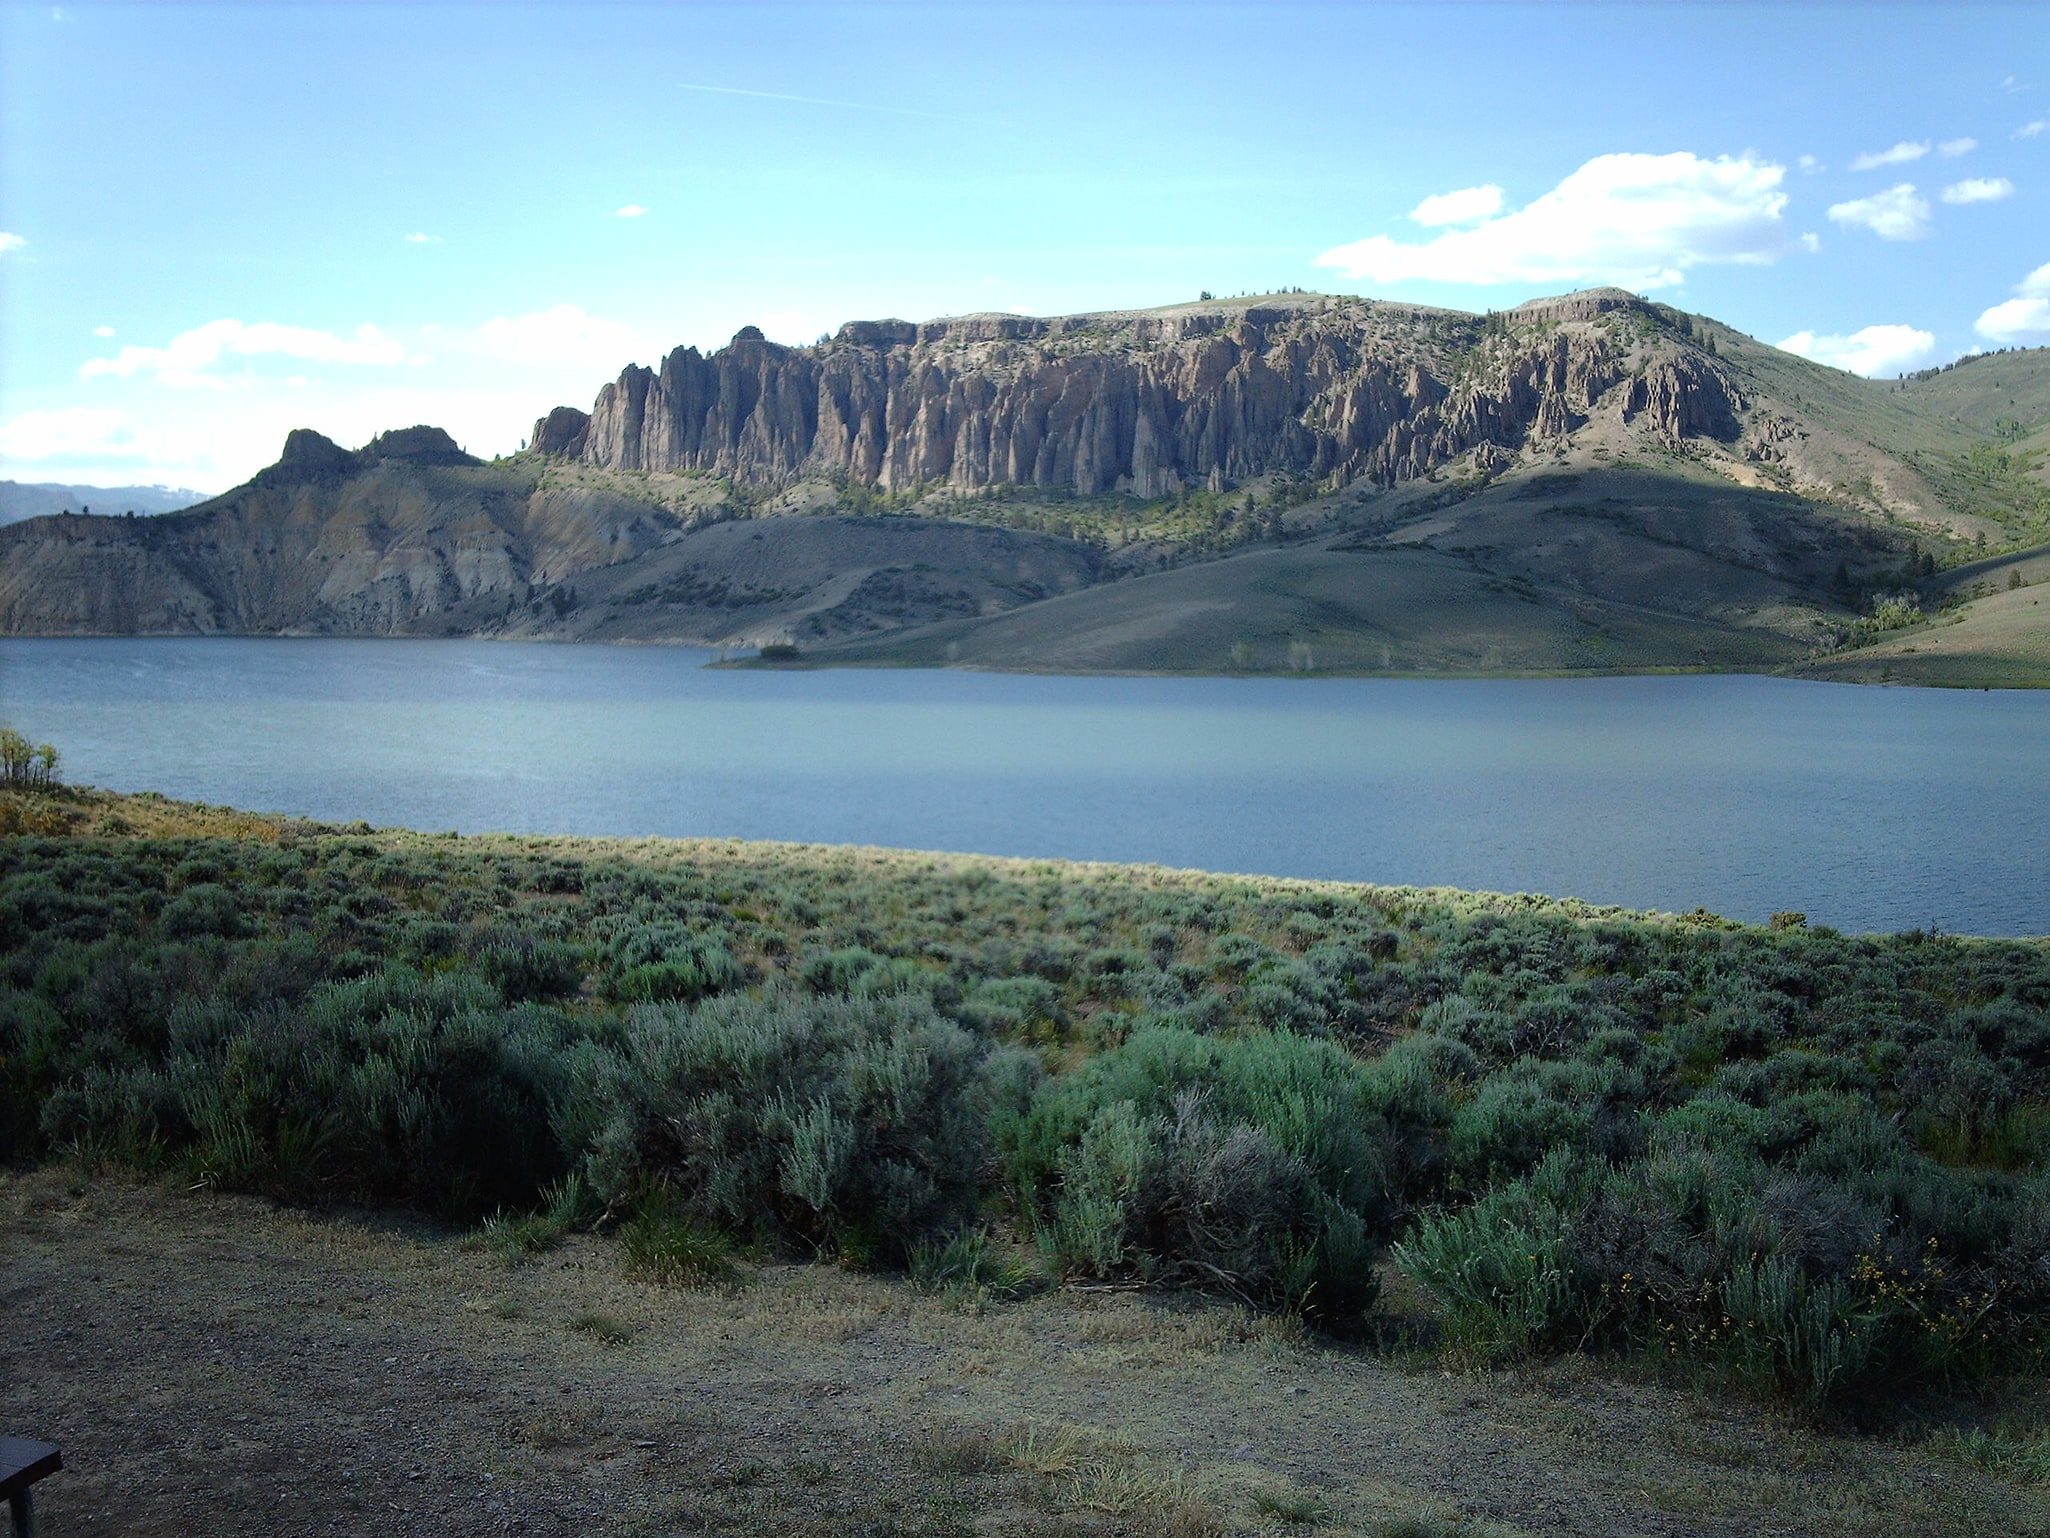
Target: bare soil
(220, 1365)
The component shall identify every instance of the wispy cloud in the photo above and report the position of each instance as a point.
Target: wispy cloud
(1637, 220)
(188, 359)
(422, 238)
(1978, 189)
(1872, 351)
(103, 331)
(1469, 205)
(1899, 213)
(814, 101)
(1952, 148)
(1900, 154)
(630, 211)
(2024, 317)
(10, 242)
(2029, 130)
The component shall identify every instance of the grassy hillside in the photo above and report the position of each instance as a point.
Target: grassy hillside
(1333, 606)
(1987, 625)
(1809, 1166)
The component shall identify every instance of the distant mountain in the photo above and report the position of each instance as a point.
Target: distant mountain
(1297, 481)
(19, 500)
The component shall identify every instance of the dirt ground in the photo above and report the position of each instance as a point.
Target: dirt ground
(220, 1365)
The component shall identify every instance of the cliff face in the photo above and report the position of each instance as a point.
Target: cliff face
(1150, 402)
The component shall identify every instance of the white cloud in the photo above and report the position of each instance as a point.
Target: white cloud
(484, 380)
(75, 430)
(1810, 242)
(1469, 205)
(1636, 220)
(421, 238)
(2030, 130)
(10, 242)
(103, 331)
(1810, 164)
(1979, 189)
(184, 361)
(1900, 154)
(2023, 317)
(1874, 350)
(631, 211)
(1952, 148)
(1895, 214)
(564, 336)
(2015, 320)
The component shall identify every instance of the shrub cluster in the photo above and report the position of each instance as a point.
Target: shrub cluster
(1812, 1164)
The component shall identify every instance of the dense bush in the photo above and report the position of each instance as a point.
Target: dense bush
(397, 1087)
(838, 1123)
(1256, 1164)
(1811, 1164)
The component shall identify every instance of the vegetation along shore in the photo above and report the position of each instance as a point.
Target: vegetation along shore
(1408, 1130)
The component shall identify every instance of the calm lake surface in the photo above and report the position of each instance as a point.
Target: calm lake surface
(1869, 809)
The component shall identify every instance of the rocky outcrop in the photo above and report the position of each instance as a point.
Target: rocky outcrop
(1144, 402)
(309, 456)
(563, 431)
(1684, 397)
(410, 536)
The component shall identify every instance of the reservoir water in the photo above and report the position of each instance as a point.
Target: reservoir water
(1868, 809)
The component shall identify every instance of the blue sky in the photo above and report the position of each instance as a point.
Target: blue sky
(221, 222)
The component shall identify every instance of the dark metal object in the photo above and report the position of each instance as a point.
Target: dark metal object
(22, 1463)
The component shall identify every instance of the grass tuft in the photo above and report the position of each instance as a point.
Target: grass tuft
(668, 1247)
(565, 1207)
(1291, 1506)
(603, 1328)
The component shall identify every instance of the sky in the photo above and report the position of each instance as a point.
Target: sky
(222, 222)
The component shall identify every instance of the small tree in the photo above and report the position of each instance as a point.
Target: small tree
(15, 756)
(26, 763)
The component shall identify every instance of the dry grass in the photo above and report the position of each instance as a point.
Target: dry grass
(818, 1400)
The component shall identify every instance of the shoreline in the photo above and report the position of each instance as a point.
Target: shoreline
(826, 662)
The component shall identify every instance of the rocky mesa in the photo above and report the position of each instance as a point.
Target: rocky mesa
(1148, 403)
(1587, 482)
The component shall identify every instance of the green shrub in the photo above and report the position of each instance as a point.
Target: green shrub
(1501, 1273)
(1784, 1335)
(395, 1088)
(525, 968)
(1252, 1165)
(825, 1122)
